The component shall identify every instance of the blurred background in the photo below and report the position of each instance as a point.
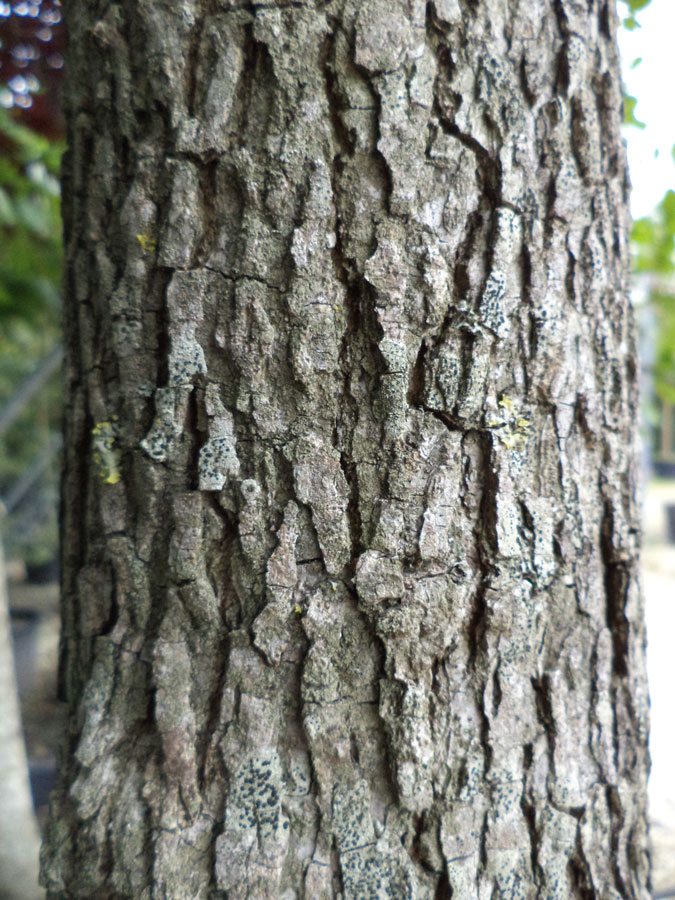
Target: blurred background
(31, 144)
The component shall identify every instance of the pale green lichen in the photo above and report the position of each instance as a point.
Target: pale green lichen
(394, 385)
(218, 458)
(370, 870)
(186, 358)
(106, 453)
(256, 798)
(254, 842)
(510, 425)
(147, 241)
(166, 426)
(501, 286)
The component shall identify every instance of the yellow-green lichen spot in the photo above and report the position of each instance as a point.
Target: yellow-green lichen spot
(512, 428)
(147, 242)
(106, 455)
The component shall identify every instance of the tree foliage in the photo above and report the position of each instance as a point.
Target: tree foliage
(30, 254)
(654, 252)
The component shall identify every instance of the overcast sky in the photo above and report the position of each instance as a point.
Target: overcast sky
(650, 155)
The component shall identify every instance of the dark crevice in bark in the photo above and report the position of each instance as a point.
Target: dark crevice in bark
(486, 746)
(448, 421)
(608, 106)
(192, 64)
(550, 218)
(496, 691)
(579, 875)
(424, 825)
(483, 851)
(205, 747)
(353, 510)
(581, 419)
(617, 580)
(160, 287)
(461, 282)
(209, 218)
(417, 379)
(195, 437)
(524, 346)
(148, 840)
(561, 17)
(526, 274)
(383, 674)
(617, 821)
(579, 144)
(471, 6)
(434, 25)
(355, 292)
(477, 625)
(542, 696)
(533, 337)
(443, 889)
(256, 83)
(486, 536)
(570, 277)
(562, 79)
(489, 168)
(348, 412)
(112, 617)
(529, 812)
(530, 97)
(604, 20)
(343, 139)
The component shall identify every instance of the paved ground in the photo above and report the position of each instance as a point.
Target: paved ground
(659, 585)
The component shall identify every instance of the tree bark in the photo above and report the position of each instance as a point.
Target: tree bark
(350, 593)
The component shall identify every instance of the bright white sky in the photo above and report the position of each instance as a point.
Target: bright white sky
(652, 167)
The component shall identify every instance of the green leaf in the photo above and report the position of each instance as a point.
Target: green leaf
(637, 5)
(643, 231)
(629, 104)
(654, 239)
(7, 216)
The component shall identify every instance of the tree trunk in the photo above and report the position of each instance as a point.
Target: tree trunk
(350, 594)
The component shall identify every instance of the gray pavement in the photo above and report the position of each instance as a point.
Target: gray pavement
(658, 573)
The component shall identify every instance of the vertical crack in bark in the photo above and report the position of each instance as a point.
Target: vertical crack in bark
(443, 890)
(529, 815)
(617, 824)
(616, 588)
(489, 168)
(353, 289)
(192, 65)
(561, 17)
(544, 709)
(209, 216)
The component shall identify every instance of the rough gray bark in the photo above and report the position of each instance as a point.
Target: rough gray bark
(351, 604)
